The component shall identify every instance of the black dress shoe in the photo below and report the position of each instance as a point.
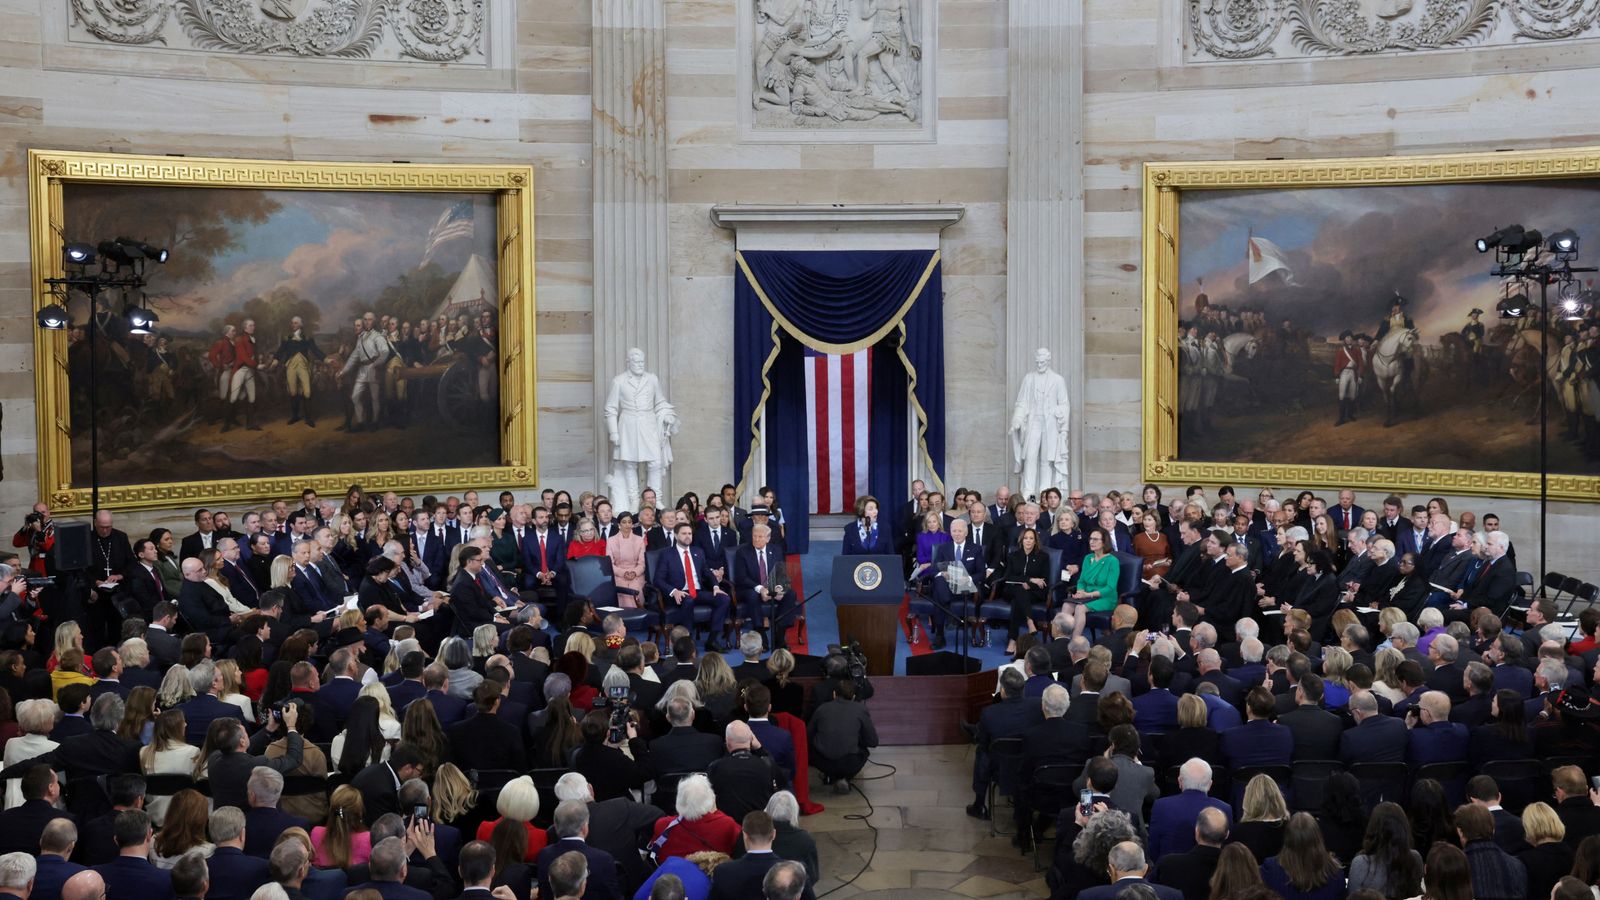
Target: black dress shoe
(938, 640)
(977, 811)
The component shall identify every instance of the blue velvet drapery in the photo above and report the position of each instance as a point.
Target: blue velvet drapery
(837, 302)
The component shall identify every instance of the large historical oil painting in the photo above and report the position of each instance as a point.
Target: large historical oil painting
(300, 333)
(1354, 333)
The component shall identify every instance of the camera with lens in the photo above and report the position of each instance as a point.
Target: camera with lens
(617, 702)
(39, 581)
(32, 519)
(853, 657)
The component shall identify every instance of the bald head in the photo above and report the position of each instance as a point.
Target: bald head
(86, 885)
(738, 736)
(193, 570)
(1211, 827)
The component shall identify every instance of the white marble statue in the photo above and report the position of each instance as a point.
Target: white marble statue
(641, 423)
(1039, 424)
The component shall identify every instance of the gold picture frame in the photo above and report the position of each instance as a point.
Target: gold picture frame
(50, 171)
(1166, 184)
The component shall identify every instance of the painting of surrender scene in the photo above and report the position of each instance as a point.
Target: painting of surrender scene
(300, 332)
(1358, 326)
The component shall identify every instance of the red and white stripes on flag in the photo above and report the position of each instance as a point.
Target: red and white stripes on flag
(838, 417)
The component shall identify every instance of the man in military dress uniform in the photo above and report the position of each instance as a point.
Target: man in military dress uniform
(242, 385)
(298, 354)
(367, 359)
(1348, 363)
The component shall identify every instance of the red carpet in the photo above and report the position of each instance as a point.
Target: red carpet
(921, 645)
(796, 634)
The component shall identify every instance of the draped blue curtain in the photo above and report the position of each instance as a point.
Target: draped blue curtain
(837, 302)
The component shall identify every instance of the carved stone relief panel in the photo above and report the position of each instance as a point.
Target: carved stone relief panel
(1227, 30)
(837, 70)
(416, 31)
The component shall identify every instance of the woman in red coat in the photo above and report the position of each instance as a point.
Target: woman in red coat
(587, 542)
(699, 825)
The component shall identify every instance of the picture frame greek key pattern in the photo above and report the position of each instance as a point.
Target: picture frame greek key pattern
(1166, 185)
(513, 298)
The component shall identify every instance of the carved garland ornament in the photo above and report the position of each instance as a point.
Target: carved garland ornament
(1246, 29)
(427, 30)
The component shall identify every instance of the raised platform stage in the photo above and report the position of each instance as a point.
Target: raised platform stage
(922, 710)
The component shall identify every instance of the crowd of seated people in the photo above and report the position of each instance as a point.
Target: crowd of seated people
(368, 699)
(1302, 701)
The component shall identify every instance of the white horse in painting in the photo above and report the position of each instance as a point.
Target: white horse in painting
(1389, 360)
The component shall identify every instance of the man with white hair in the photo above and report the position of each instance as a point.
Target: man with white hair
(1496, 584)
(614, 825)
(1127, 867)
(16, 874)
(1375, 737)
(136, 671)
(1172, 818)
(1055, 741)
(263, 820)
(234, 875)
(571, 828)
(1448, 671)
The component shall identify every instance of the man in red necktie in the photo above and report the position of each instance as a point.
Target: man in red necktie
(685, 581)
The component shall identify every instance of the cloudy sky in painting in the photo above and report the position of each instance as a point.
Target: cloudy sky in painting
(1351, 249)
(338, 249)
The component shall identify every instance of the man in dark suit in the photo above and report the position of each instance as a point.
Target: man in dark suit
(741, 878)
(141, 581)
(1434, 738)
(774, 740)
(56, 843)
(1259, 741)
(205, 707)
(429, 542)
(1190, 873)
(243, 587)
(1010, 717)
(468, 599)
(450, 710)
(165, 648)
(97, 843)
(426, 868)
(100, 752)
(1573, 804)
(379, 783)
(683, 749)
(1172, 819)
(714, 538)
(544, 555)
(108, 665)
(339, 694)
(682, 590)
(1316, 731)
(1346, 514)
(1496, 584)
(21, 826)
(746, 777)
(387, 868)
(263, 821)
(131, 874)
(759, 576)
(1128, 867)
(1208, 665)
(1156, 710)
(1053, 742)
(204, 538)
(1508, 830)
(1375, 737)
(572, 828)
(960, 549)
(485, 740)
(203, 608)
(1448, 675)
(234, 874)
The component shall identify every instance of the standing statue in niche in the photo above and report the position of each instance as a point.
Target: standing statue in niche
(1039, 424)
(821, 61)
(641, 423)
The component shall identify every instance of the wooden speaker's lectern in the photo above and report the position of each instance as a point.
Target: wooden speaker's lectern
(867, 591)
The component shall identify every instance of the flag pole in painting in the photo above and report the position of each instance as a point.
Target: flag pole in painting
(838, 420)
(1265, 258)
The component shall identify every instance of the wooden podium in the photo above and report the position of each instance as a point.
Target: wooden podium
(867, 591)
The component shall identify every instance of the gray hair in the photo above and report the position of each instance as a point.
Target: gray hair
(1127, 856)
(1250, 649)
(1103, 831)
(454, 653)
(414, 792)
(37, 716)
(786, 880)
(1499, 539)
(1195, 775)
(567, 874)
(1430, 618)
(479, 532)
(1204, 634)
(783, 807)
(17, 870)
(135, 653)
(750, 645)
(1296, 533)
(1055, 701)
(265, 786)
(1447, 647)
(388, 860)
(1357, 535)
(106, 713)
(695, 797)
(271, 890)
(286, 860)
(1553, 632)
(1061, 624)
(1079, 644)
(1405, 631)
(615, 678)
(570, 819)
(557, 684)
(572, 786)
(1246, 628)
(393, 549)
(1554, 672)
(226, 824)
(201, 675)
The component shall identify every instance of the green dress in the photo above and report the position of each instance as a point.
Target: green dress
(1100, 575)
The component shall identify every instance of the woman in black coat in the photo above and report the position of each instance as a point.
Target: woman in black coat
(1318, 593)
(1413, 590)
(1505, 735)
(1026, 574)
(376, 589)
(610, 772)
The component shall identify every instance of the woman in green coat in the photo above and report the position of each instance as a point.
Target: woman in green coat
(1097, 581)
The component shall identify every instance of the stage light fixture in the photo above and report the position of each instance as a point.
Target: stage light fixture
(158, 254)
(1531, 240)
(77, 254)
(53, 318)
(141, 320)
(1502, 236)
(117, 253)
(1564, 242)
(1513, 307)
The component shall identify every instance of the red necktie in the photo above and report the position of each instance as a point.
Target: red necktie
(688, 576)
(544, 566)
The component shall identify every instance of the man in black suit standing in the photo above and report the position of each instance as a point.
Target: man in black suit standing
(1190, 872)
(683, 748)
(468, 599)
(715, 540)
(1375, 737)
(204, 538)
(1053, 742)
(234, 874)
(572, 828)
(1316, 731)
(380, 782)
(1010, 717)
(741, 878)
(263, 821)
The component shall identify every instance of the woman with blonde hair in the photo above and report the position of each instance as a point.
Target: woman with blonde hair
(319, 884)
(38, 719)
(233, 689)
(582, 643)
(1336, 661)
(788, 696)
(167, 754)
(345, 840)
(387, 720)
(717, 686)
(397, 651)
(1386, 676)
(175, 688)
(1265, 815)
(485, 638)
(1548, 856)
(68, 636)
(183, 829)
(282, 572)
(453, 795)
(518, 801)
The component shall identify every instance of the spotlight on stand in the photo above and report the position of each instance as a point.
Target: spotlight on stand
(1514, 306)
(77, 254)
(159, 254)
(53, 318)
(1531, 240)
(1500, 237)
(1564, 244)
(141, 320)
(117, 253)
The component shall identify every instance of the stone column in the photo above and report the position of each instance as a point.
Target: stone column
(629, 71)
(1044, 201)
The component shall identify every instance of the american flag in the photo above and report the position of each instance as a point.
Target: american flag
(838, 392)
(455, 222)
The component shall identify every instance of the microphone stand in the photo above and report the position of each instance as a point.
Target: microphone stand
(777, 627)
(962, 641)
